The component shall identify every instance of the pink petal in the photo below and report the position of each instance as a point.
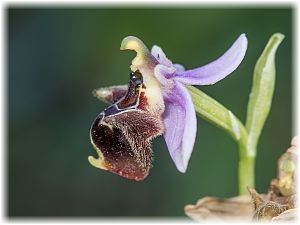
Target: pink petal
(160, 56)
(180, 125)
(218, 69)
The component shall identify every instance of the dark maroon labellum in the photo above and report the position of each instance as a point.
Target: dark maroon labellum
(121, 134)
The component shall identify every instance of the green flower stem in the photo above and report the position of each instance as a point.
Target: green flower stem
(215, 113)
(246, 173)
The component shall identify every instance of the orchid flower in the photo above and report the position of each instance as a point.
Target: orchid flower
(154, 102)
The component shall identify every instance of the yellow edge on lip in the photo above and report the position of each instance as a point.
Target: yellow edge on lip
(98, 163)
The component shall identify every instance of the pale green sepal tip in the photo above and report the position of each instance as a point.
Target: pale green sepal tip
(135, 44)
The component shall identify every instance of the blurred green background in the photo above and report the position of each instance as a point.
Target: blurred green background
(57, 56)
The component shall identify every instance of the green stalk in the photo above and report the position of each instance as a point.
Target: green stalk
(246, 173)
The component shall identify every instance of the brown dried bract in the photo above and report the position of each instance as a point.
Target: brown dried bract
(282, 191)
(265, 209)
(276, 206)
(211, 208)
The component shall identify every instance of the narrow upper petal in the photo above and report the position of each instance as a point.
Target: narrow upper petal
(179, 67)
(180, 125)
(160, 56)
(162, 73)
(218, 69)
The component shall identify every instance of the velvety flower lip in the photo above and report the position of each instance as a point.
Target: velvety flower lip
(179, 116)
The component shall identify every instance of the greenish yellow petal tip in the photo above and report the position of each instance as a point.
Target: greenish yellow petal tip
(98, 163)
(143, 56)
(133, 43)
(278, 36)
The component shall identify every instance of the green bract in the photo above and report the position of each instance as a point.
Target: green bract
(262, 91)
